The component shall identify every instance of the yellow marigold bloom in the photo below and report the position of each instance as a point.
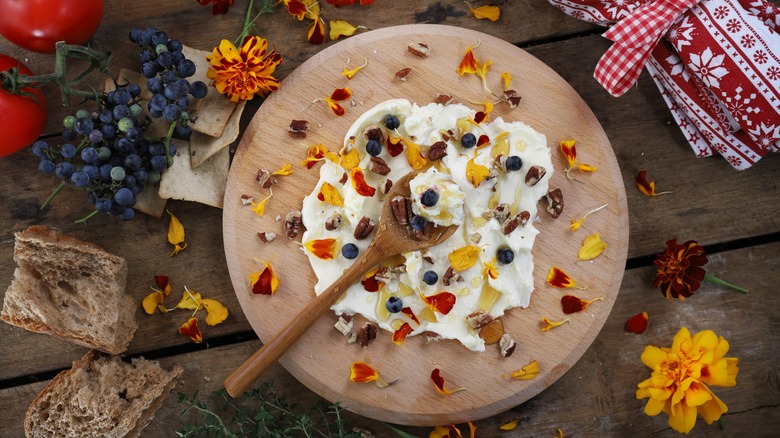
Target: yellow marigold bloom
(241, 73)
(678, 383)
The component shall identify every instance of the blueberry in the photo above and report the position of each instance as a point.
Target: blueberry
(160, 37)
(198, 89)
(429, 198)
(165, 59)
(174, 45)
(374, 148)
(90, 170)
(103, 204)
(430, 278)
(122, 96)
(89, 155)
(63, 170)
(172, 112)
(505, 256)
(349, 251)
(392, 122)
(148, 70)
(158, 162)
(186, 68)
(183, 132)
(68, 151)
(155, 85)
(134, 89)
(123, 196)
(121, 111)
(79, 178)
(394, 304)
(46, 167)
(514, 163)
(419, 222)
(468, 140)
(144, 56)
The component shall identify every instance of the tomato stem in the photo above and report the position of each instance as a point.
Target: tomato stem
(53, 194)
(87, 217)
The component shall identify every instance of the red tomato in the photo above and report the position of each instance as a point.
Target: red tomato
(37, 25)
(22, 118)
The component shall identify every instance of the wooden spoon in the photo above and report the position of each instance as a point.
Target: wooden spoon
(392, 238)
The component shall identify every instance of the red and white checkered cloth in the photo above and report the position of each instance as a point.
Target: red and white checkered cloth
(717, 66)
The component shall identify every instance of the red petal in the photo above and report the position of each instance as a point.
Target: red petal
(371, 284)
(480, 116)
(162, 281)
(317, 32)
(340, 94)
(394, 149)
(359, 183)
(336, 108)
(408, 311)
(400, 335)
(296, 8)
(441, 302)
(438, 380)
(263, 284)
(637, 323)
(483, 139)
(572, 304)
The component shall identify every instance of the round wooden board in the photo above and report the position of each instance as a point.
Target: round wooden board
(322, 357)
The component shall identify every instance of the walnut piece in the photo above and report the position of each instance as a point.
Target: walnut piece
(402, 209)
(535, 173)
(450, 276)
(507, 345)
(298, 128)
(247, 200)
(402, 74)
(385, 186)
(344, 324)
(419, 49)
(511, 97)
(554, 202)
(479, 319)
(367, 334)
(333, 222)
(266, 236)
(364, 228)
(437, 151)
(293, 224)
(501, 212)
(374, 132)
(444, 99)
(378, 166)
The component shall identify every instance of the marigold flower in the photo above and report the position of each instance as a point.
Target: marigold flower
(296, 8)
(648, 188)
(218, 6)
(339, 3)
(438, 383)
(176, 235)
(681, 373)
(679, 269)
(240, 74)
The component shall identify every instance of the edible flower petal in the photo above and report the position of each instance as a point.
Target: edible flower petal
(648, 188)
(286, 169)
(324, 249)
(510, 425)
(476, 173)
(558, 433)
(259, 207)
(492, 13)
(527, 372)
(464, 258)
(190, 300)
(218, 6)
(569, 150)
(549, 325)
(370, 283)
(400, 335)
(489, 269)
(359, 183)
(265, 281)
(680, 375)
(351, 73)
(190, 329)
(216, 312)
(240, 74)
(163, 283)
(361, 372)
(395, 145)
(468, 65)
(296, 8)
(176, 235)
(482, 71)
(576, 224)
(414, 155)
(340, 28)
(316, 153)
(316, 33)
(637, 323)
(330, 194)
(556, 277)
(572, 304)
(338, 95)
(152, 302)
(482, 116)
(591, 247)
(442, 302)
(408, 311)
(438, 383)
(351, 159)
(507, 78)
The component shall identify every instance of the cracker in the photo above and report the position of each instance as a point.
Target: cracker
(213, 111)
(203, 146)
(206, 184)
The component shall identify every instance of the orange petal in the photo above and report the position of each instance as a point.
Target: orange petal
(468, 65)
(330, 194)
(489, 12)
(414, 155)
(400, 335)
(438, 383)
(336, 108)
(394, 146)
(557, 278)
(527, 372)
(408, 311)
(324, 249)
(549, 325)
(359, 183)
(361, 372)
(509, 426)
(296, 8)
(265, 281)
(316, 34)
(648, 188)
(190, 328)
(464, 258)
(442, 302)
(476, 173)
(569, 149)
(340, 94)
(637, 323)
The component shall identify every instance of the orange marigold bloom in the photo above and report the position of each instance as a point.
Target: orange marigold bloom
(681, 373)
(296, 8)
(679, 269)
(242, 73)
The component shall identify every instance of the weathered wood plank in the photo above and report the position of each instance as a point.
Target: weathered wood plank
(594, 398)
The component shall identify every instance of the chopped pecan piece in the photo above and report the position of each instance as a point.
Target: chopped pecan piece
(402, 209)
(378, 166)
(511, 97)
(402, 74)
(264, 178)
(344, 324)
(374, 132)
(333, 222)
(479, 319)
(293, 223)
(444, 99)
(344, 178)
(266, 236)
(298, 128)
(246, 199)
(507, 345)
(419, 49)
(364, 228)
(501, 212)
(385, 186)
(500, 162)
(432, 337)
(509, 225)
(385, 275)
(352, 338)
(437, 151)
(554, 202)
(423, 234)
(450, 276)
(367, 334)
(535, 173)
(428, 259)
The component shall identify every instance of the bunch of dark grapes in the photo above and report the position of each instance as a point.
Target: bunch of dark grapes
(108, 153)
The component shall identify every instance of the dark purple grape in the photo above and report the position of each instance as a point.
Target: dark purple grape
(198, 89)
(63, 170)
(186, 68)
(46, 167)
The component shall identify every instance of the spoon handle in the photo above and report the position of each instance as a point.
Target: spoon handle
(271, 351)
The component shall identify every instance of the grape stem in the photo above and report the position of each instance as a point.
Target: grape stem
(15, 82)
(53, 195)
(167, 143)
(87, 217)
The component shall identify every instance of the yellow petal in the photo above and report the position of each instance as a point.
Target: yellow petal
(591, 247)
(190, 300)
(259, 207)
(586, 168)
(576, 224)
(339, 28)
(697, 394)
(507, 78)
(528, 372)
(476, 173)
(331, 195)
(492, 13)
(151, 302)
(682, 418)
(464, 258)
(286, 169)
(350, 160)
(351, 73)
(176, 234)
(312, 9)
(414, 156)
(653, 356)
(712, 409)
(216, 311)
(654, 407)
(509, 426)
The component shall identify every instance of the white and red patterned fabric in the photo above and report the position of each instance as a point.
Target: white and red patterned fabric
(716, 63)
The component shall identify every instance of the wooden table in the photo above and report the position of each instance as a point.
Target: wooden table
(734, 215)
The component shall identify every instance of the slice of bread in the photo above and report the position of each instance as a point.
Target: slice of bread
(71, 289)
(100, 397)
